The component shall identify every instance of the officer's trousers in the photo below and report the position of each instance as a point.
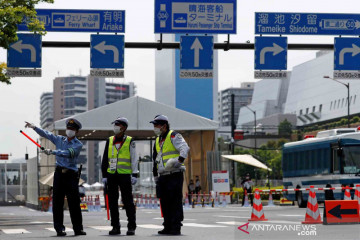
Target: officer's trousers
(66, 184)
(171, 200)
(124, 182)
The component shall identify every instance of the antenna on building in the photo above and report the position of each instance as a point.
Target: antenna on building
(80, 71)
(58, 73)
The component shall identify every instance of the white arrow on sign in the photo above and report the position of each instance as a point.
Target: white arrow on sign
(275, 49)
(101, 47)
(355, 50)
(19, 46)
(197, 47)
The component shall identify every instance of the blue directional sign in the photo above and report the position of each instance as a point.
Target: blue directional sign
(25, 52)
(196, 52)
(195, 16)
(64, 20)
(347, 54)
(270, 53)
(307, 23)
(107, 51)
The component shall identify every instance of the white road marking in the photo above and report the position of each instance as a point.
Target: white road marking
(291, 215)
(150, 226)
(223, 216)
(41, 222)
(31, 210)
(12, 214)
(15, 231)
(245, 210)
(105, 228)
(66, 229)
(201, 225)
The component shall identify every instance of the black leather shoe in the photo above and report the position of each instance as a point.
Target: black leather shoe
(115, 231)
(164, 231)
(174, 232)
(81, 232)
(130, 232)
(61, 234)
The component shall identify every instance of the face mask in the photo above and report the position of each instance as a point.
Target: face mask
(157, 131)
(117, 129)
(70, 133)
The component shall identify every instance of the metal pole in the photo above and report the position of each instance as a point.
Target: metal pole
(232, 136)
(348, 97)
(21, 178)
(255, 131)
(348, 100)
(5, 181)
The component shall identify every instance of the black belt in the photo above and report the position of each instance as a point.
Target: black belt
(171, 172)
(64, 170)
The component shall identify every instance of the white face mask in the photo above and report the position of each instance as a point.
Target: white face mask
(157, 131)
(117, 129)
(70, 133)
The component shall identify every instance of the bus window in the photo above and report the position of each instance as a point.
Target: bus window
(336, 162)
(351, 163)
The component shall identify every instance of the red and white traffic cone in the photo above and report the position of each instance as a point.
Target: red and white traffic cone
(257, 210)
(312, 215)
(50, 205)
(347, 195)
(224, 202)
(155, 203)
(146, 202)
(198, 201)
(357, 195)
(187, 205)
(271, 202)
(246, 200)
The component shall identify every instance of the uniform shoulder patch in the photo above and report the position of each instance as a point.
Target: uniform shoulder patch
(173, 134)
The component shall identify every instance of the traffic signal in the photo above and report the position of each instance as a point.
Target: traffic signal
(4, 156)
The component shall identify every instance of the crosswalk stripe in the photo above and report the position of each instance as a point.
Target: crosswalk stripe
(104, 228)
(15, 231)
(66, 229)
(150, 226)
(201, 225)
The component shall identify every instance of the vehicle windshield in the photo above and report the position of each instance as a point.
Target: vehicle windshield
(351, 163)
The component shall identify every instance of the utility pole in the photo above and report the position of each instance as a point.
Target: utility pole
(232, 136)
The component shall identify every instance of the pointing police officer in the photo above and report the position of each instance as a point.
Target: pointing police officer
(66, 179)
(120, 169)
(170, 152)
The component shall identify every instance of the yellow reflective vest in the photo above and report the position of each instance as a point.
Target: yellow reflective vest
(168, 149)
(119, 160)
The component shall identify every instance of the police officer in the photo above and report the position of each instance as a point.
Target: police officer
(66, 176)
(120, 169)
(170, 152)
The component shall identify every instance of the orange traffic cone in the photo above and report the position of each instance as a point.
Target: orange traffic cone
(312, 215)
(271, 202)
(257, 210)
(347, 195)
(246, 199)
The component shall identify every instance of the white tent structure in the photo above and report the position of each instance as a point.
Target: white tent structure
(96, 123)
(247, 159)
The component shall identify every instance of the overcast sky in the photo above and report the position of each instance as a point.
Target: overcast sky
(20, 101)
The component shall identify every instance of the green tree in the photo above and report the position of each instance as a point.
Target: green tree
(13, 12)
(285, 128)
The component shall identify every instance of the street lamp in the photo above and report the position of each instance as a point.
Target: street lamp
(348, 97)
(254, 112)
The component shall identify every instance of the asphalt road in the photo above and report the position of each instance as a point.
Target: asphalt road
(284, 222)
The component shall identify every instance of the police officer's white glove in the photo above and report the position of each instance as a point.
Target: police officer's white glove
(47, 151)
(177, 164)
(30, 125)
(104, 181)
(133, 180)
(156, 179)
